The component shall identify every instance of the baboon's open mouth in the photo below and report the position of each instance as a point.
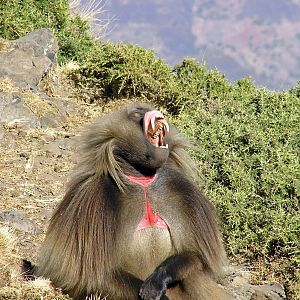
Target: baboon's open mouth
(156, 127)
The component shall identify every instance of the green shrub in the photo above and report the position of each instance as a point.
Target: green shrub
(197, 84)
(296, 90)
(17, 18)
(121, 70)
(248, 148)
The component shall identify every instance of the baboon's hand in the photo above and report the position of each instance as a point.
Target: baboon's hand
(154, 287)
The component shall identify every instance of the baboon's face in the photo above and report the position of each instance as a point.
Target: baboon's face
(142, 138)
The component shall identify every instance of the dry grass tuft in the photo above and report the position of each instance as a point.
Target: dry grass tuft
(6, 243)
(94, 12)
(5, 45)
(56, 82)
(6, 86)
(95, 297)
(39, 106)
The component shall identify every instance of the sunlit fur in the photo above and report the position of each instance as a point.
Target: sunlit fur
(91, 246)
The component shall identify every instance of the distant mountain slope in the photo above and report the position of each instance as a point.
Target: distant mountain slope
(260, 38)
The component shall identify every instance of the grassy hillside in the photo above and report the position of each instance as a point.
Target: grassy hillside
(246, 138)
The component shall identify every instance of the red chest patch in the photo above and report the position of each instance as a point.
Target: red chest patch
(150, 218)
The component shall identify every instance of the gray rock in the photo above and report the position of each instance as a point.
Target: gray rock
(64, 106)
(30, 57)
(20, 221)
(237, 283)
(47, 213)
(61, 146)
(268, 292)
(13, 110)
(52, 121)
(41, 41)
(25, 61)
(64, 109)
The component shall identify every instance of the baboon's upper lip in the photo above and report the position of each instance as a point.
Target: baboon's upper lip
(155, 128)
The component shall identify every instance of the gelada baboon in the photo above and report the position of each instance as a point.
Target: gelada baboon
(132, 224)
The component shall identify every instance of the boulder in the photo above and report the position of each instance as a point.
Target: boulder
(237, 283)
(29, 58)
(33, 110)
(23, 64)
(13, 110)
(20, 221)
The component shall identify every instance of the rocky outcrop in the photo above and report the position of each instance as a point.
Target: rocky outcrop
(29, 58)
(24, 63)
(13, 109)
(238, 284)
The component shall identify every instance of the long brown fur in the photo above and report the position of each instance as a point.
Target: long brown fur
(91, 246)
